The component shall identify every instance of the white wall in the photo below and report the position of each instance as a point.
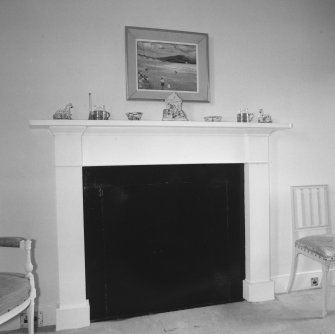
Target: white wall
(271, 54)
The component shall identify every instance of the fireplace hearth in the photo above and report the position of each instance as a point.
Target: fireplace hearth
(82, 143)
(163, 237)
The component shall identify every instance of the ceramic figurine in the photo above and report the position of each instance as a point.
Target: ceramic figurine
(64, 113)
(173, 110)
(264, 118)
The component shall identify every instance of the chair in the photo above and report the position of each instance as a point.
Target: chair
(312, 231)
(17, 291)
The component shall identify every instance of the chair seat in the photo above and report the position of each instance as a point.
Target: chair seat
(14, 290)
(321, 245)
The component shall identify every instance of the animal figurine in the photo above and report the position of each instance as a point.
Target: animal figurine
(64, 113)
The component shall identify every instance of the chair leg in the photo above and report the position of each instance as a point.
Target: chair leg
(293, 270)
(325, 270)
(30, 312)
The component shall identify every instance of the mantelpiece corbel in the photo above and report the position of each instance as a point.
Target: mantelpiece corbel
(81, 143)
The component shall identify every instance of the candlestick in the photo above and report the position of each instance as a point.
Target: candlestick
(90, 105)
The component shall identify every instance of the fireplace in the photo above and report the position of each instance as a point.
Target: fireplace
(83, 143)
(162, 237)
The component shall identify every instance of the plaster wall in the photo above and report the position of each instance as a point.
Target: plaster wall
(272, 54)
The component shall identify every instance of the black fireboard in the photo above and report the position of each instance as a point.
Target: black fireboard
(163, 237)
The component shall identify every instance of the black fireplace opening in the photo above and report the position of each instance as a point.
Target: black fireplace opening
(161, 238)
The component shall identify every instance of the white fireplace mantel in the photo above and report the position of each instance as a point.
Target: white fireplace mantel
(81, 143)
(232, 127)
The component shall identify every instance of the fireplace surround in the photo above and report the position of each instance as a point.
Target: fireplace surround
(81, 143)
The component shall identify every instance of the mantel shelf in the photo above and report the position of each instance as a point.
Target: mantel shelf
(206, 127)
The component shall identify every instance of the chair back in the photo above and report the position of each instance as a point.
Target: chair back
(310, 211)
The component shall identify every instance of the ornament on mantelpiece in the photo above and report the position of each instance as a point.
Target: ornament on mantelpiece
(263, 118)
(134, 116)
(173, 110)
(245, 116)
(90, 110)
(99, 112)
(64, 113)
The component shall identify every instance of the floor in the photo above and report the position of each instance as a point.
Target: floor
(299, 312)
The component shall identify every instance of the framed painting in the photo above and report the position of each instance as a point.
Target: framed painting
(160, 62)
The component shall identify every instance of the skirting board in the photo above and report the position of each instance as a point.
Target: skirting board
(302, 280)
(78, 316)
(73, 316)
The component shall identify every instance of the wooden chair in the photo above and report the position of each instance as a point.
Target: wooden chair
(17, 291)
(312, 231)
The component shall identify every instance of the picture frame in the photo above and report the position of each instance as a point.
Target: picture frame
(160, 62)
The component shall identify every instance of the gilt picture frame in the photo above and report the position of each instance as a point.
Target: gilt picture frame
(159, 62)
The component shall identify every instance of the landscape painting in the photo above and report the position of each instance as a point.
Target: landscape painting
(160, 62)
(166, 66)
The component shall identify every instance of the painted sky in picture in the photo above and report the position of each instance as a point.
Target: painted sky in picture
(166, 66)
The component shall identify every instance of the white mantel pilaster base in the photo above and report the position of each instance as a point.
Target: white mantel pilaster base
(103, 143)
(73, 316)
(258, 291)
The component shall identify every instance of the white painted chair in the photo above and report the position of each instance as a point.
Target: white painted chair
(17, 291)
(312, 231)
